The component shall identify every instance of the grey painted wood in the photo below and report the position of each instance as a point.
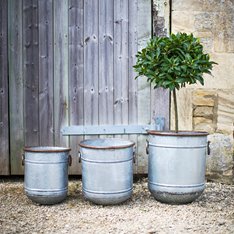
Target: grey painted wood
(46, 106)
(133, 83)
(91, 62)
(4, 124)
(120, 61)
(160, 102)
(16, 89)
(31, 71)
(61, 104)
(106, 61)
(77, 66)
(76, 76)
(144, 98)
(133, 48)
(76, 130)
(160, 98)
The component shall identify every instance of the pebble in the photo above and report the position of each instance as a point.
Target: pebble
(212, 212)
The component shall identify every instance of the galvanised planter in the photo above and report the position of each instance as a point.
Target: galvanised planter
(46, 173)
(177, 165)
(107, 170)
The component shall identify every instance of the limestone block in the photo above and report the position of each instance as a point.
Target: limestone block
(230, 45)
(224, 31)
(225, 128)
(183, 21)
(192, 5)
(225, 111)
(208, 44)
(203, 124)
(220, 160)
(204, 21)
(203, 111)
(203, 120)
(207, 40)
(226, 102)
(203, 5)
(202, 97)
(223, 73)
(222, 44)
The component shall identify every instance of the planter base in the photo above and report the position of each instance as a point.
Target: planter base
(176, 198)
(107, 199)
(47, 200)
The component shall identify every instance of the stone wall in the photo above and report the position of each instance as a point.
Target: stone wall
(210, 107)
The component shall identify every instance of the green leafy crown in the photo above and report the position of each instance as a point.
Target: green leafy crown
(171, 62)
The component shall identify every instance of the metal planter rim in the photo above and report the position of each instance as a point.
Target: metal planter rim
(46, 149)
(126, 144)
(176, 134)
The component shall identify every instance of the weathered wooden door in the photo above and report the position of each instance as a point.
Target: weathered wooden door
(4, 120)
(70, 63)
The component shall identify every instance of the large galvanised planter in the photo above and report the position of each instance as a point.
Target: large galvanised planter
(177, 165)
(107, 170)
(46, 173)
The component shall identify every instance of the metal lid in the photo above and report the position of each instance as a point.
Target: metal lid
(108, 143)
(180, 133)
(46, 149)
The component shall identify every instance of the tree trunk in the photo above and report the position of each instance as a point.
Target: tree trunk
(176, 110)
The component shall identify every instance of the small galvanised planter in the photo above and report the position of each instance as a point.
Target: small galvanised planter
(46, 173)
(177, 165)
(107, 170)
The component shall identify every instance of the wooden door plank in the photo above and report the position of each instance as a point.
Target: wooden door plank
(31, 71)
(144, 97)
(46, 107)
(16, 94)
(120, 62)
(160, 105)
(60, 71)
(133, 48)
(106, 53)
(90, 62)
(76, 76)
(160, 98)
(4, 123)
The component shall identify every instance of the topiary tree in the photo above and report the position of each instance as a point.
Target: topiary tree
(172, 62)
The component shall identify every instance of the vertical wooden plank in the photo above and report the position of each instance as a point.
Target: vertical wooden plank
(16, 95)
(106, 56)
(121, 62)
(143, 100)
(160, 98)
(160, 105)
(76, 76)
(185, 110)
(133, 48)
(60, 70)
(91, 62)
(4, 124)
(31, 71)
(46, 107)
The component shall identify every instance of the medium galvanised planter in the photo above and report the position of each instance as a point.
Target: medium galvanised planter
(177, 165)
(46, 173)
(107, 170)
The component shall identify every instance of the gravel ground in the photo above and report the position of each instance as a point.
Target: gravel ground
(212, 213)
